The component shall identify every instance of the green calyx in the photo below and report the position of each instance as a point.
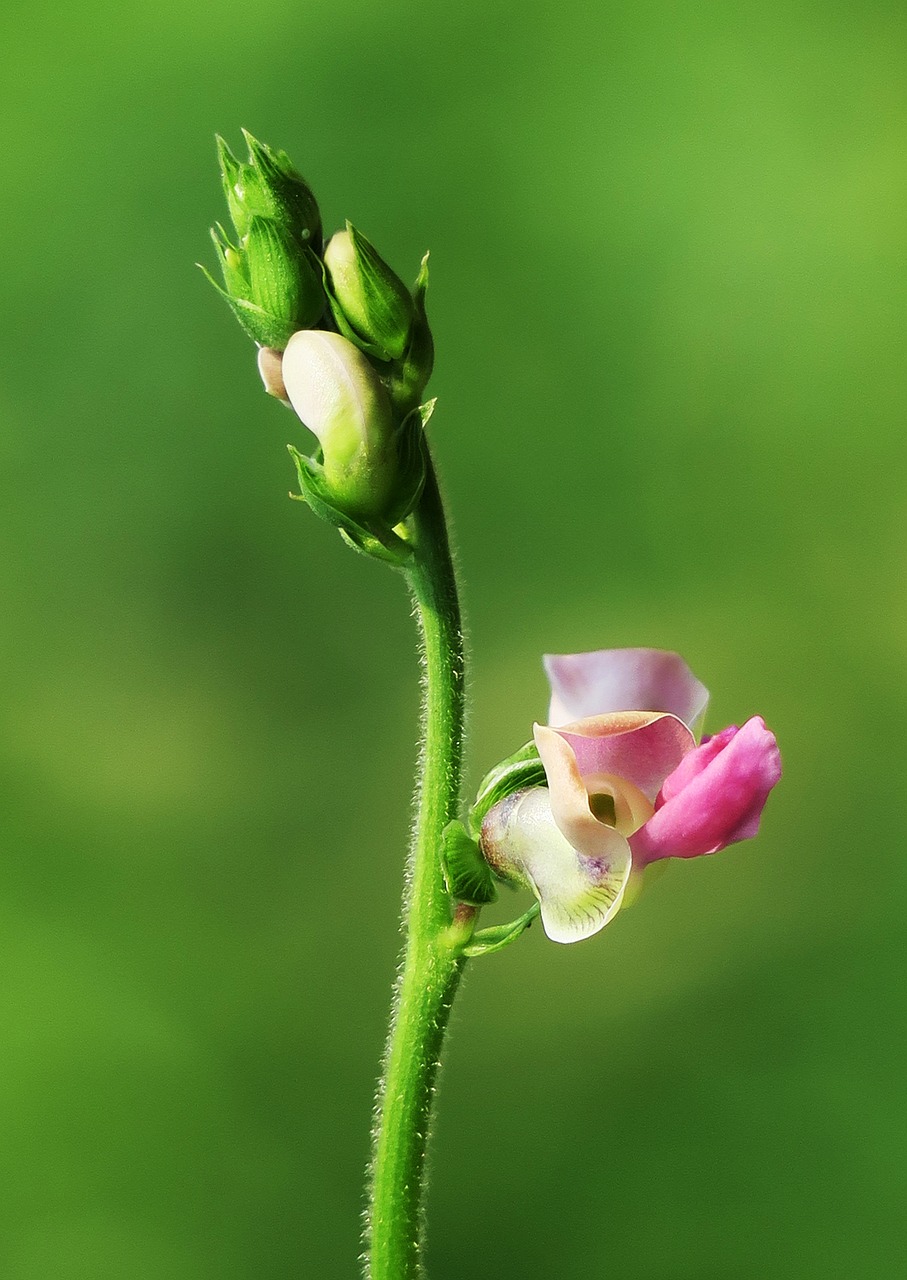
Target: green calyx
(407, 377)
(522, 770)
(271, 276)
(370, 303)
(466, 873)
(485, 942)
(377, 534)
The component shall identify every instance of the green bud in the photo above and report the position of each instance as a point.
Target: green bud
(272, 276)
(272, 284)
(370, 303)
(338, 395)
(268, 186)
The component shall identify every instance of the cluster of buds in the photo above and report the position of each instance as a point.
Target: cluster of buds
(342, 341)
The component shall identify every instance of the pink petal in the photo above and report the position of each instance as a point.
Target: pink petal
(695, 762)
(643, 747)
(714, 798)
(591, 684)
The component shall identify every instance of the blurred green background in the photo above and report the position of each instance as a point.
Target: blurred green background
(668, 295)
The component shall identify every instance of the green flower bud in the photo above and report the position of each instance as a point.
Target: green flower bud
(272, 284)
(272, 276)
(371, 304)
(268, 186)
(338, 395)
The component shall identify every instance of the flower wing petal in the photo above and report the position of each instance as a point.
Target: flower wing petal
(578, 892)
(589, 684)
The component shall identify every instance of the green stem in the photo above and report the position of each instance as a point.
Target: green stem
(433, 960)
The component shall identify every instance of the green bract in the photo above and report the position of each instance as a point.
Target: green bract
(370, 303)
(272, 278)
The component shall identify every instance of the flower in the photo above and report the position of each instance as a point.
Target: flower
(626, 786)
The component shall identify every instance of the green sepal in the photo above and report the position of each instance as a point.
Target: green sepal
(521, 770)
(407, 377)
(378, 542)
(236, 278)
(412, 460)
(265, 329)
(499, 936)
(466, 872)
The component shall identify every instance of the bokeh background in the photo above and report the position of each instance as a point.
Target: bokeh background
(668, 296)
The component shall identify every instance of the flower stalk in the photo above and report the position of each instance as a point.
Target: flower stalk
(433, 957)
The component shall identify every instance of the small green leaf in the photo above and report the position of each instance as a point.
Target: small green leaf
(521, 770)
(465, 870)
(499, 936)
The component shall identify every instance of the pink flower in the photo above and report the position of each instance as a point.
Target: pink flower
(627, 786)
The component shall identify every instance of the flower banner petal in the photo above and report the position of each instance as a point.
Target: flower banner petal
(590, 684)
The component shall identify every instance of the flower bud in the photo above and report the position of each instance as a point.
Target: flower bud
(369, 301)
(339, 397)
(270, 368)
(268, 186)
(272, 285)
(272, 277)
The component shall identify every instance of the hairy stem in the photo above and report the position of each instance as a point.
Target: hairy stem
(432, 962)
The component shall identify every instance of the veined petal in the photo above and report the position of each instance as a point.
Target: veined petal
(590, 684)
(643, 747)
(714, 798)
(578, 893)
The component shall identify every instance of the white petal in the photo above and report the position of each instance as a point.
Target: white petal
(578, 893)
